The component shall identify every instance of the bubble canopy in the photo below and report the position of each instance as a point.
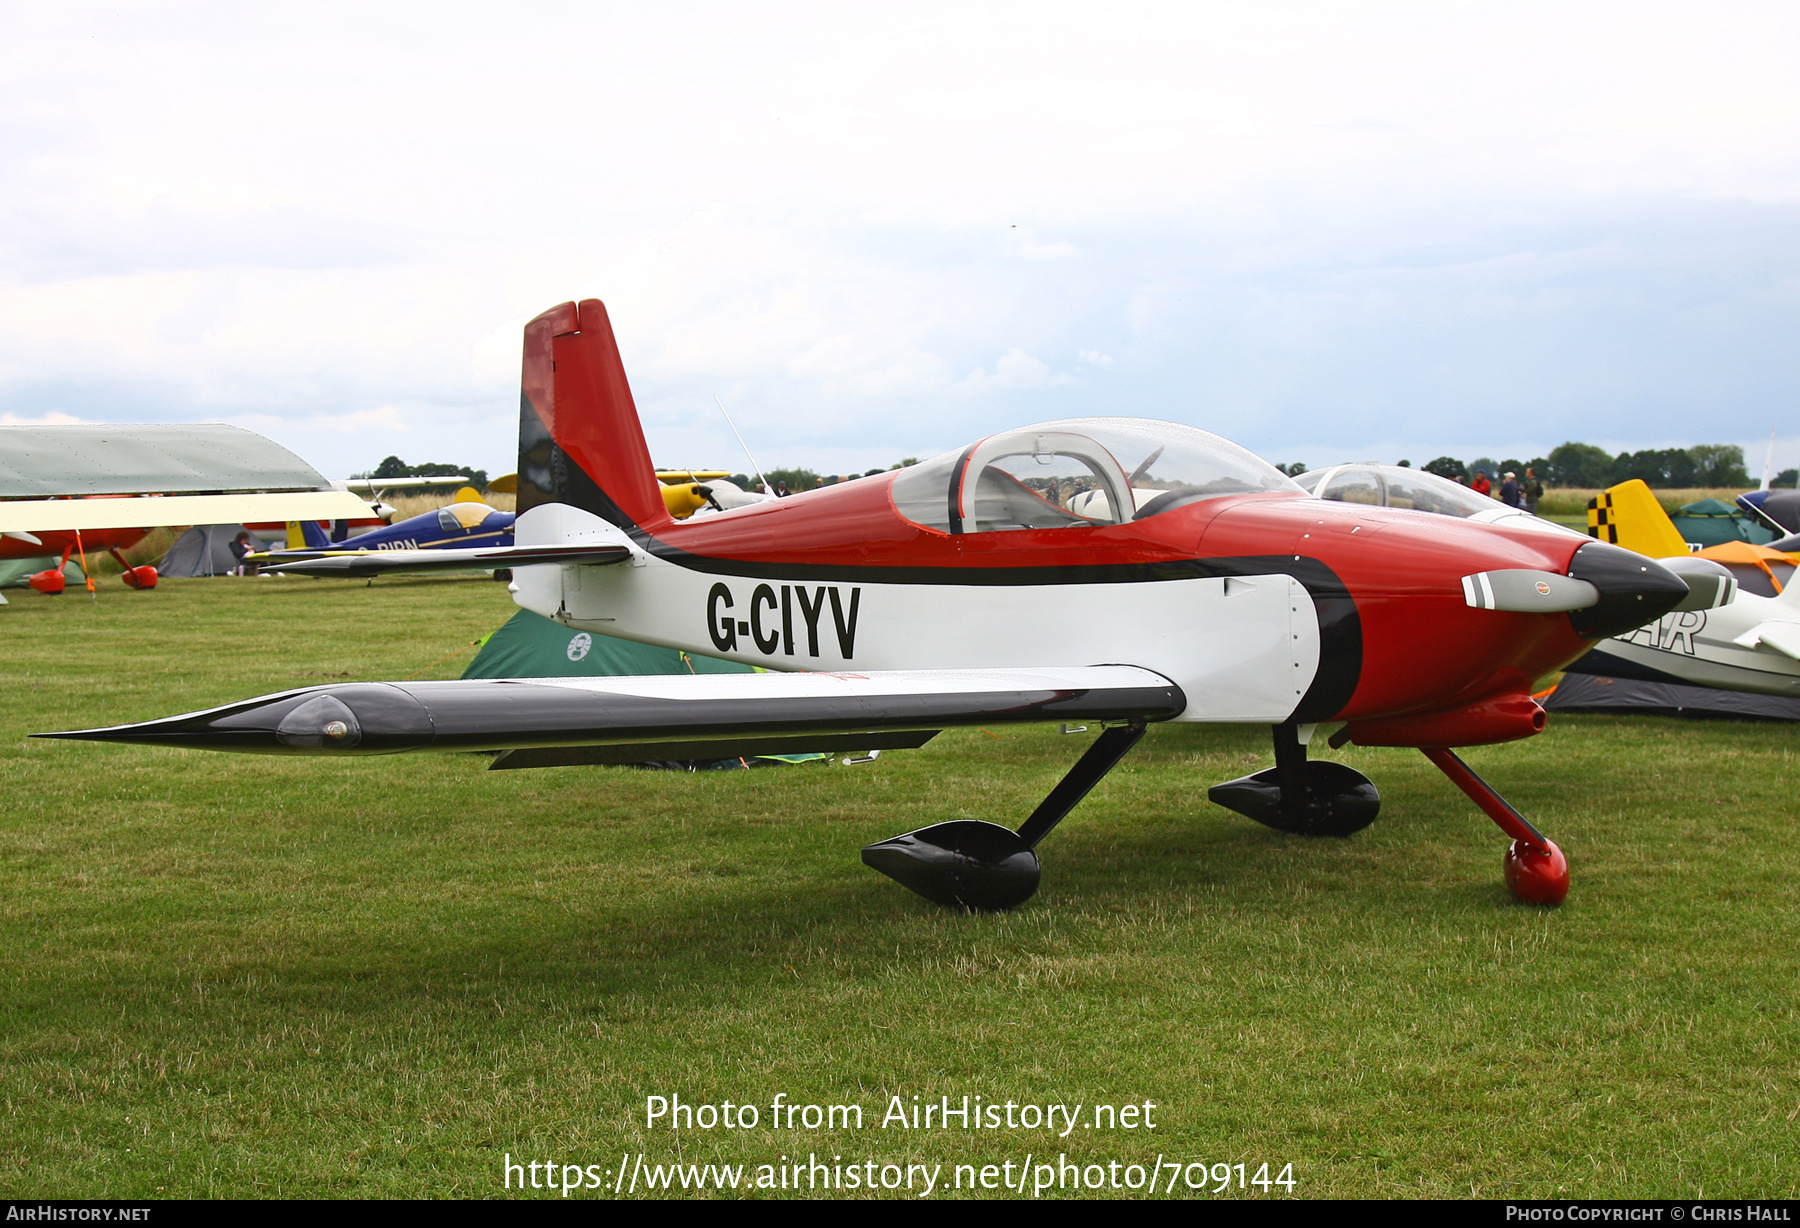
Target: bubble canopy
(1078, 472)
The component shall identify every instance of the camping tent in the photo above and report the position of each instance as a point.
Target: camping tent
(1762, 570)
(14, 571)
(1592, 693)
(532, 646)
(204, 550)
(1712, 523)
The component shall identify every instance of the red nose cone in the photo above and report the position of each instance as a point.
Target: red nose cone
(50, 581)
(1537, 874)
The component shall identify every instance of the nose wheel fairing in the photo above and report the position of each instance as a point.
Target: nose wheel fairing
(1302, 797)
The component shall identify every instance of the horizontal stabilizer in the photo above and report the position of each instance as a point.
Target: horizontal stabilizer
(367, 563)
(1526, 591)
(1777, 637)
(474, 714)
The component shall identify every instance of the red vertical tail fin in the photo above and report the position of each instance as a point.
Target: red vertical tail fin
(580, 442)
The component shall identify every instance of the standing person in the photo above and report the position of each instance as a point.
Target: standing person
(1509, 489)
(1481, 485)
(1534, 490)
(781, 490)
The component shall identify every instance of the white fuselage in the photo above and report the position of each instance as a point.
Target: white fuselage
(1733, 647)
(1242, 649)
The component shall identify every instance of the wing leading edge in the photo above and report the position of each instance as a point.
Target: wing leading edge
(552, 721)
(370, 563)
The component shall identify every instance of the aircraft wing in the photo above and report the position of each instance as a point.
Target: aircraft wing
(365, 563)
(59, 515)
(209, 473)
(544, 722)
(1780, 637)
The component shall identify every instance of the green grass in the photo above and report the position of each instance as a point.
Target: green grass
(227, 975)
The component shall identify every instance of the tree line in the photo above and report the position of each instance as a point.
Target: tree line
(1716, 465)
(798, 480)
(394, 467)
(1584, 465)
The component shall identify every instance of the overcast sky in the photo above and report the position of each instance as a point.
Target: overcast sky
(1326, 231)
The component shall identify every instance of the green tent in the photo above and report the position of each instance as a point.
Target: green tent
(1712, 523)
(13, 572)
(532, 646)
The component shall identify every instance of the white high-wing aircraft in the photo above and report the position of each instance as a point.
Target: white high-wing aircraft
(1745, 642)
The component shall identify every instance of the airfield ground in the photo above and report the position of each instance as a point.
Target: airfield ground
(244, 976)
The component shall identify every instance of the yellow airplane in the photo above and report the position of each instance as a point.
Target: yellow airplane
(684, 491)
(1629, 515)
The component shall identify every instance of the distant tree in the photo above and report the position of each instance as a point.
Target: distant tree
(1718, 464)
(1656, 467)
(797, 479)
(440, 469)
(1448, 467)
(1487, 465)
(1579, 464)
(1406, 464)
(394, 467)
(1787, 478)
(1294, 470)
(906, 462)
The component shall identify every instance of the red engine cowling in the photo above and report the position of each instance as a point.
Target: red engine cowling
(1502, 718)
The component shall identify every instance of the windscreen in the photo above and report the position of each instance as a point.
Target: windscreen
(1395, 486)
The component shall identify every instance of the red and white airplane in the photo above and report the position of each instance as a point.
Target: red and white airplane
(1196, 583)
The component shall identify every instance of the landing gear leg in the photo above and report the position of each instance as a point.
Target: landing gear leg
(50, 581)
(1306, 798)
(135, 577)
(1536, 870)
(984, 867)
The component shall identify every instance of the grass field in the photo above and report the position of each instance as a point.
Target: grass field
(247, 976)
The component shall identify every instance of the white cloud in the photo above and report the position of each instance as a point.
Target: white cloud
(1300, 222)
(1015, 370)
(50, 419)
(384, 417)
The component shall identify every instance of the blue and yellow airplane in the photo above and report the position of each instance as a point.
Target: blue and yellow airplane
(467, 524)
(468, 534)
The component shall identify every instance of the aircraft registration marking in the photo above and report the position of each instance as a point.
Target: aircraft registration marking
(1671, 633)
(771, 635)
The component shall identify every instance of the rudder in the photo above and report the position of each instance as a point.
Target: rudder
(580, 441)
(1628, 515)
